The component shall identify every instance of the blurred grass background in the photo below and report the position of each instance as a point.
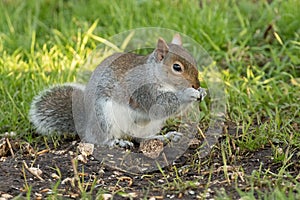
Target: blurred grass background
(256, 45)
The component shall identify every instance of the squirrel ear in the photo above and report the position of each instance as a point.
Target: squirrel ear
(161, 49)
(177, 39)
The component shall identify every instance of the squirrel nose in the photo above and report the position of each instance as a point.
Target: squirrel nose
(196, 86)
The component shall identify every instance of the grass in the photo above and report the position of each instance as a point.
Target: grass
(256, 45)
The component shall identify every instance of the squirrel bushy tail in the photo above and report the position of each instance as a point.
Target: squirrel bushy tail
(51, 111)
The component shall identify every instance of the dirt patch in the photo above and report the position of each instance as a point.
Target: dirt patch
(65, 176)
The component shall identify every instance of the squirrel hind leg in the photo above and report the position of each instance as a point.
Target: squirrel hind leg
(51, 110)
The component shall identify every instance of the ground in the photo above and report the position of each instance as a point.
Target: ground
(63, 175)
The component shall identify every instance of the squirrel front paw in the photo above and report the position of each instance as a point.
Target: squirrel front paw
(202, 92)
(189, 95)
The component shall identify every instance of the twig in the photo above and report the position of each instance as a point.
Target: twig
(31, 171)
(42, 152)
(10, 148)
(75, 169)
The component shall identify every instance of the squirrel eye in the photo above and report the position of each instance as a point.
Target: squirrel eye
(177, 67)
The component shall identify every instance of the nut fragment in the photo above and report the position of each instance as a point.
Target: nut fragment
(86, 149)
(151, 148)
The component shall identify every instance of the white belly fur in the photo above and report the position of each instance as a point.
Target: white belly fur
(124, 121)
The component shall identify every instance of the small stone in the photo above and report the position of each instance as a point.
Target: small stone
(6, 196)
(55, 176)
(36, 171)
(191, 192)
(107, 196)
(160, 181)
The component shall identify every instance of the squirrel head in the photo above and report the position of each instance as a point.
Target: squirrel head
(179, 66)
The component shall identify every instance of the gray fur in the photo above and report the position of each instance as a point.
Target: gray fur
(127, 95)
(51, 110)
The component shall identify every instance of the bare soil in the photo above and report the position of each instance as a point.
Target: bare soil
(64, 176)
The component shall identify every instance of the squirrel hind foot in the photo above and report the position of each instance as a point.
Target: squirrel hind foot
(122, 143)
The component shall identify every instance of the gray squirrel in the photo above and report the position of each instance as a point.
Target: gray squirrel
(128, 95)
